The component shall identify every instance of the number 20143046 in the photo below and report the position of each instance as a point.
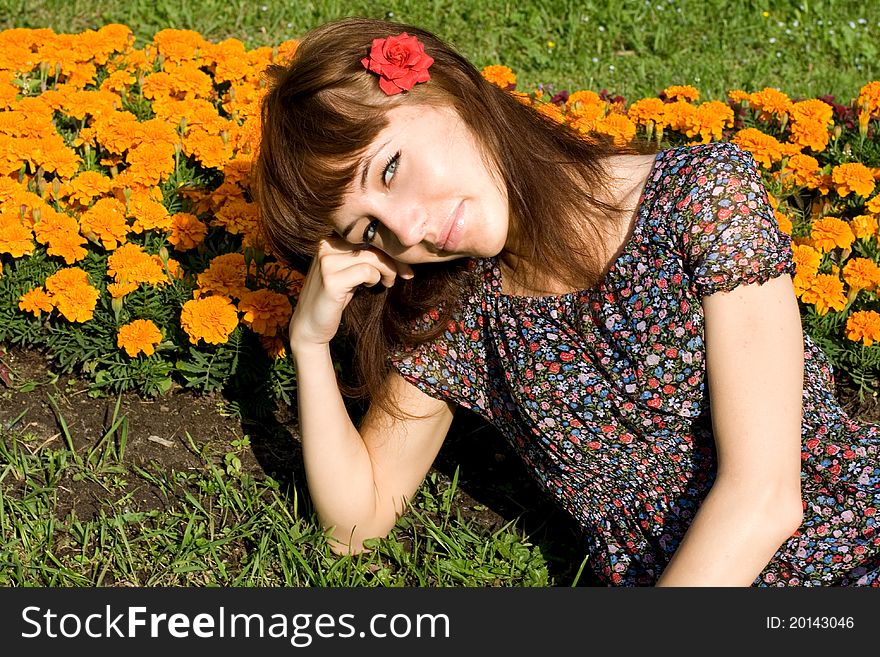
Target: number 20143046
(810, 622)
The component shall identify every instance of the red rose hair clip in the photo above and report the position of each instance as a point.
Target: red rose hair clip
(400, 61)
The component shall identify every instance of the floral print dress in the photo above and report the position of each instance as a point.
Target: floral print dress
(603, 392)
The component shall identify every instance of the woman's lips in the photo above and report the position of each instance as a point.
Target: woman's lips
(452, 235)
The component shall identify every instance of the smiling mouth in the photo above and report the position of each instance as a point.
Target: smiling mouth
(453, 228)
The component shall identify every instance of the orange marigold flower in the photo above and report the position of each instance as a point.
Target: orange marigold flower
(147, 214)
(677, 113)
(803, 169)
(585, 100)
(618, 127)
(861, 274)
(825, 292)
(864, 226)
(873, 205)
(68, 246)
(764, 148)
(131, 265)
(869, 98)
(499, 75)
(187, 231)
(36, 301)
(801, 284)
(863, 325)
(853, 177)
(139, 337)
(211, 319)
(648, 109)
(681, 92)
(738, 96)
(105, 221)
(770, 102)
(86, 186)
(783, 222)
(813, 110)
(265, 311)
(70, 292)
(709, 121)
(831, 232)
(551, 110)
(16, 239)
(806, 259)
(238, 216)
(274, 346)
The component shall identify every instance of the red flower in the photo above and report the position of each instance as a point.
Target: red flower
(400, 62)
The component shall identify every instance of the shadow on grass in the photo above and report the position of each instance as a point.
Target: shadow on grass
(494, 488)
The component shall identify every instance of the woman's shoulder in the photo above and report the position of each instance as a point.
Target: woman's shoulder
(702, 163)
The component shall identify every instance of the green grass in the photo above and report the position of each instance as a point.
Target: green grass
(631, 47)
(219, 526)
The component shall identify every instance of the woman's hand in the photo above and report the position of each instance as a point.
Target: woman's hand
(337, 270)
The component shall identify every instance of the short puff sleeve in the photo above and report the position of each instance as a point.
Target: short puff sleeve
(731, 236)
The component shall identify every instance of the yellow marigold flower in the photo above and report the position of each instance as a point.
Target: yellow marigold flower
(806, 259)
(499, 75)
(825, 293)
(831, 232)
(783, 222)
(187, 231)
(36, 301)
(853, 177)
(70, 292)
(648, 109)
(681, 92)
(139, 337)
(265, 311)
(764, 148)
(864, 226)
(16, 239)
(861, 274)
(770, 102)
(211, 319)
(105, 221)
(869, 98)
(863, 325)
(618, 127)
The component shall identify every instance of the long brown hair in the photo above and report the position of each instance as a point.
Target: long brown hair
(324, 109)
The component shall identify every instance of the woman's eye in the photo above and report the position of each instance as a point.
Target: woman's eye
(370, 231)
(390, 168)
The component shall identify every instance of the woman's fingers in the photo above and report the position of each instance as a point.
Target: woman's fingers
(338, 255)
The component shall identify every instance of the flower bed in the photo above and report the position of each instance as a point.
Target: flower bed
(130, 241)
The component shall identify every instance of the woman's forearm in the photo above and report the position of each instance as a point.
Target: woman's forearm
(338, 466)
(734, 535)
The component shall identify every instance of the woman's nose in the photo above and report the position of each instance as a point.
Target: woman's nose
(407, 224)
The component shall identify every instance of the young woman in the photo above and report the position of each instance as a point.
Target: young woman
(626, 319)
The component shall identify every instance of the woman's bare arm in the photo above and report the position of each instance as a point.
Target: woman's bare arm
(754, 346)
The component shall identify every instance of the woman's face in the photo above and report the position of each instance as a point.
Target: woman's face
(423, 191)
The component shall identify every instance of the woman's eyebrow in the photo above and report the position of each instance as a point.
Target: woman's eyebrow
(366, 172)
